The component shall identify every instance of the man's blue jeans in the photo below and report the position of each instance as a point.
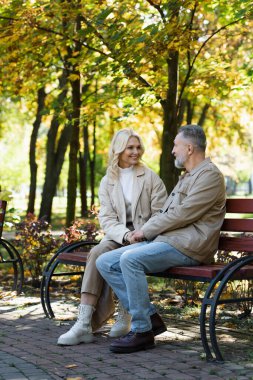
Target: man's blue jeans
(125, 268)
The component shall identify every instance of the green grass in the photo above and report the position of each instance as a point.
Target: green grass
(58, 217)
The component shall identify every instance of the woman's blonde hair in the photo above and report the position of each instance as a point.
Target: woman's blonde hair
(118, 145)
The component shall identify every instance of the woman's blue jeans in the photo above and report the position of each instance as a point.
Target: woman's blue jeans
(125, 268)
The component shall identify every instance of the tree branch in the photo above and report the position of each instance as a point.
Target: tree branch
(190, 28)
(48, 30)
(198, 53)
(158, 8)
(129, 70)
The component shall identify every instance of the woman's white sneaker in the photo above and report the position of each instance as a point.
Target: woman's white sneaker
(81, 331)
(122, 325)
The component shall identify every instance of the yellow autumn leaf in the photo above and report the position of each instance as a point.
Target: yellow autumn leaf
(71, 366)
(73, 77)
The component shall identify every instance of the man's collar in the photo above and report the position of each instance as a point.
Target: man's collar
(205, 162)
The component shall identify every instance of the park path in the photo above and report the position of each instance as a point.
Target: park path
(28, 350)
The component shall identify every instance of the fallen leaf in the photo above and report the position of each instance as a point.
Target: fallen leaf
(71, 366)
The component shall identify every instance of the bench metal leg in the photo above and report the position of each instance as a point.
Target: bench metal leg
(45, 283)
(222, 278)
(208, 302)
(17, 264)
(45, 290)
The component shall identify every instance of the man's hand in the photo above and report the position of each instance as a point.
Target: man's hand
(130, 238)
(137, 236)
(133, 237)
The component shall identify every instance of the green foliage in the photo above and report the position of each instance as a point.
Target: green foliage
(123, 63)
(5, 195)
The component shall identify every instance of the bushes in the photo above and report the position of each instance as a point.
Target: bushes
(74, 233)
(36, 243)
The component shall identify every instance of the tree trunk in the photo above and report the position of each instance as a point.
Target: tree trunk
(190, 112)
(32, 151)
(74, 142)
(53, 170)
(203, 115)
(250, 186)
(83, 182)
(181, 111)
(93, 166)
(74, 150)
(56, 149)
(168, 172)
(84, 159)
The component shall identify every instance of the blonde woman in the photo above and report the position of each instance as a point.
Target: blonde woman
(129, 194)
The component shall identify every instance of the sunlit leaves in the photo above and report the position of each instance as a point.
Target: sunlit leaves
(125, 47)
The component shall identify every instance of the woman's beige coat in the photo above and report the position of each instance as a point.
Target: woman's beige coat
(149, 195)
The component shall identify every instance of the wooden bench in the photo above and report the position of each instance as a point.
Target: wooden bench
(236, 237)
(9, 254)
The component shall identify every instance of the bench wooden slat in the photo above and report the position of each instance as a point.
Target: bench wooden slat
(204, 271)
(237, 225)
(240, 244)
(201, 271)
(71, 257)
(208, 271)
(240, 205)
(245, 272)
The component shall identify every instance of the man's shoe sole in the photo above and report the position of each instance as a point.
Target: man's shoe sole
(156, 332)
(128, 350)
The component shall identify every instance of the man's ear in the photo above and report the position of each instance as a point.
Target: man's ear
(190, 149)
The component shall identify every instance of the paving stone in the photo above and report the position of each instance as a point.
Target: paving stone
(28, 351)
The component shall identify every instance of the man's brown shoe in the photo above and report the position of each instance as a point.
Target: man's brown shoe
(133, 342)
(158, 326)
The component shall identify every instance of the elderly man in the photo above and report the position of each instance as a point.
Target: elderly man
(185, 232)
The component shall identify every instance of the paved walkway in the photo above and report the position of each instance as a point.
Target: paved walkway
(28, 351)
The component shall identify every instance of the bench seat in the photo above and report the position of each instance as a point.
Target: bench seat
(203, 273)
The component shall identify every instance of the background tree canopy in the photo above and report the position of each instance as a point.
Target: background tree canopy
(73, 72)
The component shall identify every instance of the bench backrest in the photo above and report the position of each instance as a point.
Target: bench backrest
(239, 229)
(3, 205)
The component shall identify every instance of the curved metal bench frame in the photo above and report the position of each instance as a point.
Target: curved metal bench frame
(14, 257)
(213, 298)
(50, 271)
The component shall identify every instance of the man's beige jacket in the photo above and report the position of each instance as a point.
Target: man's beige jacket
(191, 217)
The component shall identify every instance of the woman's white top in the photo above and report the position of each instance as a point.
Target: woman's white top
(126, 178)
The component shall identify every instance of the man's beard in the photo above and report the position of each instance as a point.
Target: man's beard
(179, 164)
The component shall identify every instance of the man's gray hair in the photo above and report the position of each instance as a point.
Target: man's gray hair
(195, 134)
